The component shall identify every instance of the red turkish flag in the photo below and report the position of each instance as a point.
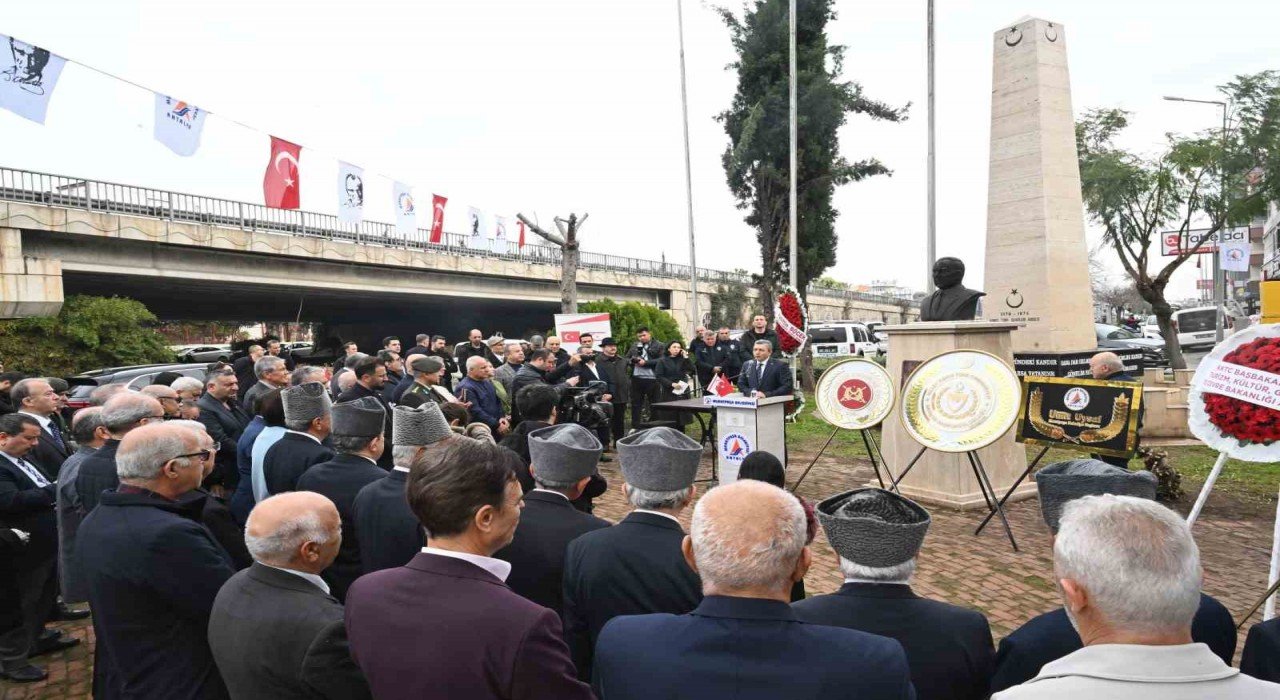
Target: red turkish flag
(281, 186)
(521, 223)
(437, 218)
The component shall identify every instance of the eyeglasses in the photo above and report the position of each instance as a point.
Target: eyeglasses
(202, 454)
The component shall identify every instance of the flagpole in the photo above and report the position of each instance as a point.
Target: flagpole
(791, 34)
(688, 173)
(932, 227)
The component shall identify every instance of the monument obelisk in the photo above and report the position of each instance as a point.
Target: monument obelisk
(1037, 264)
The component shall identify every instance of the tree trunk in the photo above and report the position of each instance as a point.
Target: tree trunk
(806, 369)
(1164, 317)
(569, 279)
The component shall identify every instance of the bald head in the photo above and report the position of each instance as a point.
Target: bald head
(748, 539)
(167, 396)
(128, 410)
(1105, 364)
(297, 530)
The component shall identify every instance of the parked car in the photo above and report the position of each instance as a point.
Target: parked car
(205, 353)
(134, 378)
(841, 339)
(300, 350)
(1116, 338)
(1151, 327)
(1197, 327)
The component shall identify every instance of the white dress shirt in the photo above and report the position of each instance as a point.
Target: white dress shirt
(29, 469)
(668, 516)
(497, 567)
(316, 580)
(44, 421)
(300, 432)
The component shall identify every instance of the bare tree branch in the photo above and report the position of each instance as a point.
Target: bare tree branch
(551, 237)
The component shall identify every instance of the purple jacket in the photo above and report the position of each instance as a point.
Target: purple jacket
(444, 628)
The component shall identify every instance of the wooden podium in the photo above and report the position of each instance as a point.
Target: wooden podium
(745, 425)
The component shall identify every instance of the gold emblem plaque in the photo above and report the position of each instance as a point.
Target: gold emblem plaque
(960, 401)
(855, 394)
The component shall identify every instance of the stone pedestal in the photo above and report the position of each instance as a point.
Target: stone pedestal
(29, 286)
(1037, 263)
(946, 478)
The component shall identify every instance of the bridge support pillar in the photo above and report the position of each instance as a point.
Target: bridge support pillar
(29, 286)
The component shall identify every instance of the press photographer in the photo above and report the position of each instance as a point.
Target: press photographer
(540, 406)
(643, 357)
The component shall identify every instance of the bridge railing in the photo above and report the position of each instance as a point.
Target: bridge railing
(99, 196)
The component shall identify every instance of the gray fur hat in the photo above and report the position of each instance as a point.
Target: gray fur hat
(659, 459)
(563, 453)
(429, 364)
(1062, 482)
(873, 527)
(363, 417)
(418, 426)
(305, 402)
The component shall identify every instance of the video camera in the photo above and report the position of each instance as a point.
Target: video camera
(582, 405)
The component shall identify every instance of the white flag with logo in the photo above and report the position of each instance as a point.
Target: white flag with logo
(1234, 255)
(350, 193)
(476, 236)
(28, 75)
(406, 212)
(178, 125)
(498, 243)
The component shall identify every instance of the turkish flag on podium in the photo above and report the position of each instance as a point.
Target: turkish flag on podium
(437, 218)
(720, 386)
(281, 186)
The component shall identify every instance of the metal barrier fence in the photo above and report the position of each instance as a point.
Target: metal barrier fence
(94, 195)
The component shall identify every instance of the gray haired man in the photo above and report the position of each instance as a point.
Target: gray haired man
(275, 630)
(600, 581)
(1051, 636)
(272, 373)
(90, 435)
(877, 535)
(122, 414)
(1129, 573)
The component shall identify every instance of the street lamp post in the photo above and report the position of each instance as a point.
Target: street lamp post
(931, 244)
(1219, 278)
(688, 173)
(792, 215)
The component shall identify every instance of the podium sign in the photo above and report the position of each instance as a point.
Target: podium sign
(745, 425)
(1091, 415)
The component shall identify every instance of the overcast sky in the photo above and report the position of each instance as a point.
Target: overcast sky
(552, 106)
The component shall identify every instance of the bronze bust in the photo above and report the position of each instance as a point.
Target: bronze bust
(952, 301)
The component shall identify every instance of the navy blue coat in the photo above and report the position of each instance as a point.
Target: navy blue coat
(339, 480)
(153, 572)
(1050, 637)
(548, 523)
(1261, 658)
(389, 533)
(289, 459)
(633, 568)
(948, 647)
(97, 474)
(485, 406)
(774, 381)
(745, 649)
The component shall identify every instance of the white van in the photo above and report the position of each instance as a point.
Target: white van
(841, 339)
(1197, 327)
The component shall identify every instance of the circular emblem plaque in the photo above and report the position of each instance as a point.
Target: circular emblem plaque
(960, 401)
(855, 394)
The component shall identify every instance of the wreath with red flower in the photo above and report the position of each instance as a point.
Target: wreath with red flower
(791, 321)
(1248, 423)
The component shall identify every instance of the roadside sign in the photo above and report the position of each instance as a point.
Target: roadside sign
(1174, 243)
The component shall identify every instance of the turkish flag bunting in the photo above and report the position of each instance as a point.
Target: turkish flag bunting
(281, 186)
(720, 386)
(437, 217)
(521, 226)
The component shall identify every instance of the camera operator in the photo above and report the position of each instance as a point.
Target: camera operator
(539, 404)
(540, 369)
(592, 370)
(643, 356)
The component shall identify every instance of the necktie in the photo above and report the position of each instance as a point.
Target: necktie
(759, 374)
(56, 432)
(32, 473)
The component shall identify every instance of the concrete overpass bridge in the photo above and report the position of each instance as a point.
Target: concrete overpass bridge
(194, 257)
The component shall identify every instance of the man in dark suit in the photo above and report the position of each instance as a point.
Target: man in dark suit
(357, 436)
(764, 377)
(37, 399)
(636, 566)
(246, 378)
(619, 371)
(1051, 636)
(122, 414)
(1261, 657)
(388, 531)
(226, 420)
(563, 458)
(27, 504)
(445, 625)
(153, 572)
(307, 416)
(744, 641)
(275, 631)
(371, 379)
(877, 535)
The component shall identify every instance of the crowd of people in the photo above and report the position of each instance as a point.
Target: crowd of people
(420, 524)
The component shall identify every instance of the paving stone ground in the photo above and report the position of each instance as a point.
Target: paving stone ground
(980, 572)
